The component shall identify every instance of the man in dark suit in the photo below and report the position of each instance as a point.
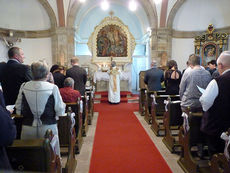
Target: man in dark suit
(14, 74)
(78, 74)
(154, 77)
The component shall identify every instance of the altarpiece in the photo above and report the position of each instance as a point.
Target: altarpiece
(210, 45)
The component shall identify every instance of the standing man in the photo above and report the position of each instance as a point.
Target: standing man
(78, 74)
(154, 77)
(15, 73)
(216, 103)
(191, 80)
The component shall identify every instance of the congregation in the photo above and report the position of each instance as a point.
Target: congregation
(40, 95)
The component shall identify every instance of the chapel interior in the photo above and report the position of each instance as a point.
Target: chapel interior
(147, 30)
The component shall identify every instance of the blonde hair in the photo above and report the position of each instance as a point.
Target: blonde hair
(74, 60)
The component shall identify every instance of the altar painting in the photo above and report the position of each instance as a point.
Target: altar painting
(111, 41)
(209, 53)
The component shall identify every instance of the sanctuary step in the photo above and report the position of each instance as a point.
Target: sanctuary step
(126, 97)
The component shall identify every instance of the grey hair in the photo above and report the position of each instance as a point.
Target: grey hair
(39, 70)
(224, 58)
(113, 63)
(68, 82)
(154, 63)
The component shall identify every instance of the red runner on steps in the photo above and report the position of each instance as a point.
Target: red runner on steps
(121, 145)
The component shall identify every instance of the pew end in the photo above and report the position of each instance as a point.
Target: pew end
(189, 159)
(172, 123)
(33, 155)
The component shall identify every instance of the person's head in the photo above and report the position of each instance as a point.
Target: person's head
(194, 60)
(74, 61)
(69, 82)
(39, 70)
(61, 69)
(172, 64)
(16, 53)
(154, 64)
(53, 68)
(212, 64)
(113, 64)
(223, 62)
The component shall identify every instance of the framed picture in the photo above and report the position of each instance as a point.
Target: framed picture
(209, 53)
(111, 41)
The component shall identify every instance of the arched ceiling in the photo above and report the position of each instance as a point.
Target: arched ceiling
(196, 15)
(26, 15)
(86, 16)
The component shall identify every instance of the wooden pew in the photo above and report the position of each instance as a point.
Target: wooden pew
(189, 159)
(172, 122)
(142, 99)
(142, 90)
(148, 103)
(34, 155)
(84, 115)
(220, 164)
(67, 138)
(90, 94)
(158, 110)
(75, 107)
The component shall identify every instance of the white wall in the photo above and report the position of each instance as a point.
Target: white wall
(196, 15)
(181, 49)
(34, 50)
(23, 15)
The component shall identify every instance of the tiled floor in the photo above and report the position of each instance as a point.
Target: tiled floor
(83, 159)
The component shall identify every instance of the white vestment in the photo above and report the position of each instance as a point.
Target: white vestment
(114, 85)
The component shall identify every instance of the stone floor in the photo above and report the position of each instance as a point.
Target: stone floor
(83, 159)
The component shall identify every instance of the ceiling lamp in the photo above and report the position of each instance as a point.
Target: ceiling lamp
(105, 5)
(82, 1)
(132, 5)
(157, 1)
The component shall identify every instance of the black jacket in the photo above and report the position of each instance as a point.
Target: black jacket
(14, 75)
(79, 76)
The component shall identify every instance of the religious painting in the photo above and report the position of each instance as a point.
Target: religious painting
(210, 44)
(111, 42)
(209, 53)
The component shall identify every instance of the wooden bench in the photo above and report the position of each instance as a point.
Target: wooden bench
(172, 122)
(148, 103)
(90, 95)
(34, 155)
(220, 164)
(85, 115)
(157, 113)
(189, 160)
(75, 107)
(67, 138)
(142, 99)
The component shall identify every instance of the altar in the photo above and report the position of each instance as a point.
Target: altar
(101, 80)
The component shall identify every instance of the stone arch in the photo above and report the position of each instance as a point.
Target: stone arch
(148, 6)
(173, 12)
(50, 12)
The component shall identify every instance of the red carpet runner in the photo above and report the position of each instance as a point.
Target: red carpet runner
(121, 145)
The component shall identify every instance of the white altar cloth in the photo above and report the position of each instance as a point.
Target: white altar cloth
(98, 76)
(104, 76)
